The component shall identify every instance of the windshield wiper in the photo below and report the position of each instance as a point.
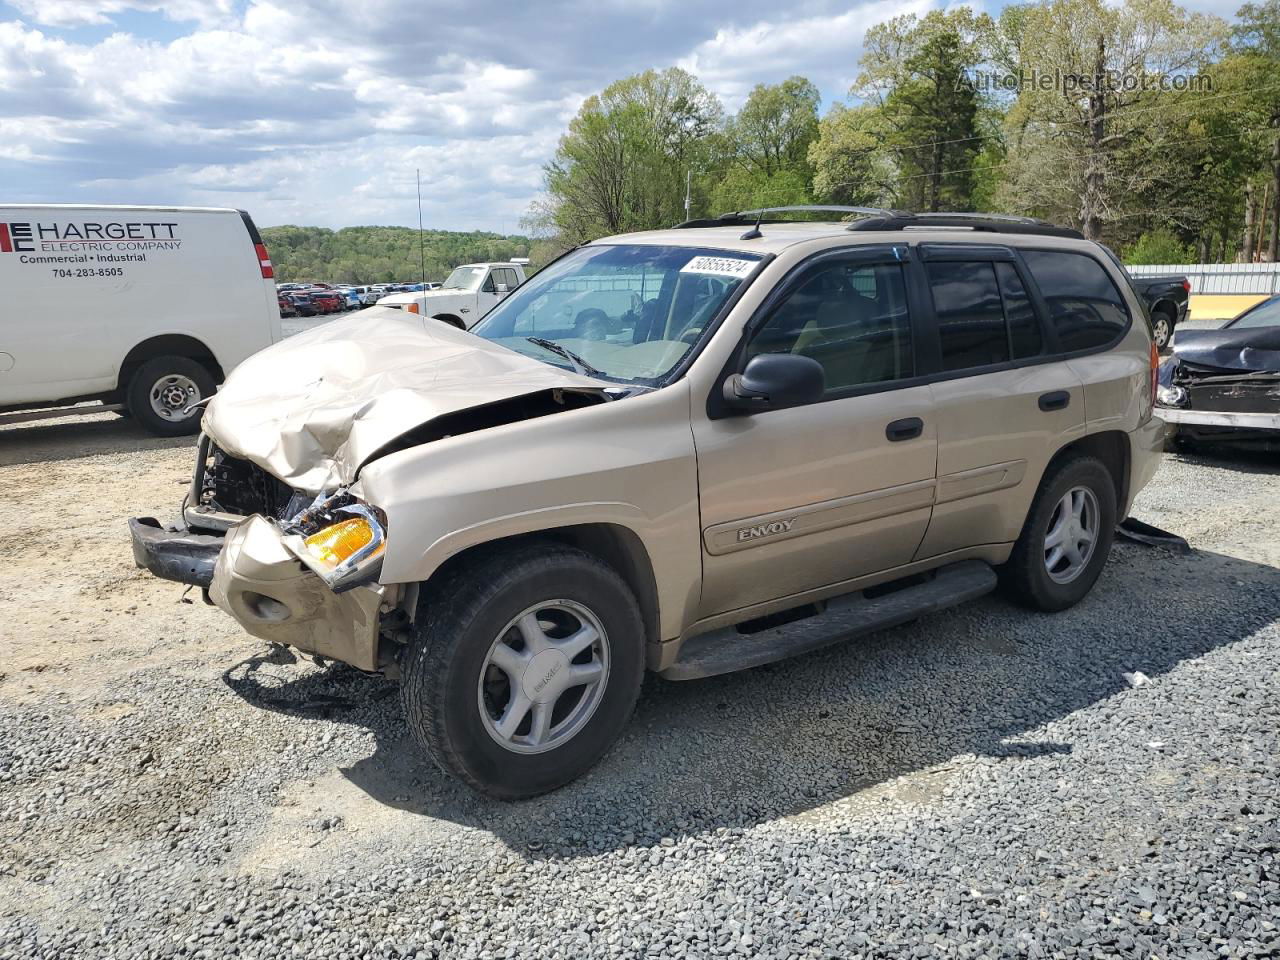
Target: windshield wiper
(579, 365)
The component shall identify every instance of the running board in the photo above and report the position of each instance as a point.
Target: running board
(727, 650)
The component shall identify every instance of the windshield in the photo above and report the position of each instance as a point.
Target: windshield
(465, 278)
(1265, 314)
(630, 312)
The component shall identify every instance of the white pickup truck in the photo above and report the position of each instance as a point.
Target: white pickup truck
(471, 291)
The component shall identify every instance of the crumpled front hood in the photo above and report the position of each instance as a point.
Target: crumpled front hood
(313, 408)
(1231, 348)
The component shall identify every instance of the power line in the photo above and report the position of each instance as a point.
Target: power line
(994, 166)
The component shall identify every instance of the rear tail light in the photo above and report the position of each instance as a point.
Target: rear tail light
(264, 261)
(1186, 285)
(1149, 405)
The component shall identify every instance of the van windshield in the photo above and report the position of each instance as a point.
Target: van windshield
(629, 313)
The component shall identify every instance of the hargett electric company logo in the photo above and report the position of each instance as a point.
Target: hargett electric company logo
(83, 236)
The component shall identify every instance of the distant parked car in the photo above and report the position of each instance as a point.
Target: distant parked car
(327, 301)
(302, 304)
(287, 309)
(351, 297)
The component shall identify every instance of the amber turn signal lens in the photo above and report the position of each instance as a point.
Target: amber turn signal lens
(412, 308)
(334, 545)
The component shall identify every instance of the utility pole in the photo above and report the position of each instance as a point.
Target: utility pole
(688, 184)
(422, 250)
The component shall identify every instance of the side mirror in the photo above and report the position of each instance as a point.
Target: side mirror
(775, 380)
(502, 288)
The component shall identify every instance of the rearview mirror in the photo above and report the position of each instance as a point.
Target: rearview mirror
(775, 380)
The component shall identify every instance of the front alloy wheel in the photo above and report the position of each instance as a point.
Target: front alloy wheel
(524, 666)
(544, 677)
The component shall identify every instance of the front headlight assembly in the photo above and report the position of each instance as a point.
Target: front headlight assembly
(1170, 395)
(347, 549)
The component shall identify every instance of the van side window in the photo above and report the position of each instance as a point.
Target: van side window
(1086, 309)
(850, 317)
(971, 323)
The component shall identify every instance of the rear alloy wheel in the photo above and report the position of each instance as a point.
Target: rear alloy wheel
(1066, 538)
(162, 393)
(524, 666)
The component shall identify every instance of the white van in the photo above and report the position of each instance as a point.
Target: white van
(145, 309)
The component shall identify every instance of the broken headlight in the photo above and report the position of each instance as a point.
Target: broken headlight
(342, 544)
(1170, 395)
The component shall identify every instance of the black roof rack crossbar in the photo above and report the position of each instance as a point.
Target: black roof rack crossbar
(986, 222)
(879, 218)
(737, 217)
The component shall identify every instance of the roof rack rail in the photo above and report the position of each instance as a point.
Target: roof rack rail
(738, 217)
(989, 222)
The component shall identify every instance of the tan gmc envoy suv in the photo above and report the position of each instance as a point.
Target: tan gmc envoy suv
(689, 451)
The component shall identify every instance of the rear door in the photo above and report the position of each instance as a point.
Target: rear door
(802, 498)
(1005, 399)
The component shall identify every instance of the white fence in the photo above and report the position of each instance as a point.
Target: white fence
(1229, 278)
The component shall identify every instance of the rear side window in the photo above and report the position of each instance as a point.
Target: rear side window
(1085, 307)
(1025, 339)
(971, 327)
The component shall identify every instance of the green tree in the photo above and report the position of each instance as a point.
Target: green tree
(1083, 120)
(623, 162)
(765, 148)
(915, 139)
(1159, 246)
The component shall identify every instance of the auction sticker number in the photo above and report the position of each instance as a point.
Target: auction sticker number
(720, 266)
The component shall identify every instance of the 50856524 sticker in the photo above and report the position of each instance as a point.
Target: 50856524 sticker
(720, 266)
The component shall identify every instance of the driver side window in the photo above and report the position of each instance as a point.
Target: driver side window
(489, 286)
(850, 317)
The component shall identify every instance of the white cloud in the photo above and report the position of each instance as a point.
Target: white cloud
(824, 47)
(318, 111)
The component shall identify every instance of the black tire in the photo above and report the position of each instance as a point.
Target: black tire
(148, 378)
(1025, 577)
(459, 620)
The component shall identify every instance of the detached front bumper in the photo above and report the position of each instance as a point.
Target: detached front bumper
(178, 555)
(250, 574)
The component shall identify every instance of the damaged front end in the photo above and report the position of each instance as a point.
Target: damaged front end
(270, 527)
(290, 567)
(1223, 385)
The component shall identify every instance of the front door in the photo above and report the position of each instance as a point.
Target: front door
(805, 497)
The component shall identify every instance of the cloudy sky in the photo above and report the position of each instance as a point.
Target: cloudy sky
(318, 111)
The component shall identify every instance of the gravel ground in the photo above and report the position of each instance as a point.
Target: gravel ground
(986, 782)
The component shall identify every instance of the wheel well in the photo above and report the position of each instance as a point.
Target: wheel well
(1112, 448)
(169, 345)
(615, 545)
(450, 319)
(1167, 308)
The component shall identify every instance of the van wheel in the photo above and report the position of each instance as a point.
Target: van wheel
(1066, 538)
(163, 389)
(524, 666)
